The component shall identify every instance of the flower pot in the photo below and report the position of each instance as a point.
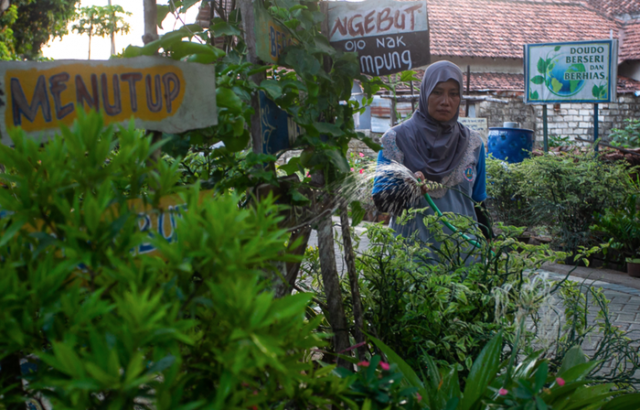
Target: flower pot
(633, 268)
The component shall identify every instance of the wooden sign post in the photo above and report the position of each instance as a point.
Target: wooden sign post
(389, 36)
(160, 94)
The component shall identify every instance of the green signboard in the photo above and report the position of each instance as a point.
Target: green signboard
(580, 72)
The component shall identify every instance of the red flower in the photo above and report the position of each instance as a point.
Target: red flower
(361, 155)
(361, 171)
(351, 169)
(363, 363)
(503, 391)
(385, 366)
(560, 381)
(419, 397)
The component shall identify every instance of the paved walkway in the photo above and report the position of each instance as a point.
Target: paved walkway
(621, 290)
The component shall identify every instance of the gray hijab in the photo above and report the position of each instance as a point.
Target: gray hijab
(435, 148)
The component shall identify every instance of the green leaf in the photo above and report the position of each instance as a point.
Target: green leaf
(357, 213)
(572, 358)
(406, 370)
(534, 95)
(222, 28)
(328, 129)
(185, 48)
(482, 372)
(541, 376)
(163, 10)
(595, 91)
(187, 4)
(292, 166)
(272, 87)
(537, 79)
(11, 231)
(557, 48)
(540, 404)
(337, 159)
(623, 402)
(226, 98)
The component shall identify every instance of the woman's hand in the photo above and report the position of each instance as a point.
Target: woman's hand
(422, 180)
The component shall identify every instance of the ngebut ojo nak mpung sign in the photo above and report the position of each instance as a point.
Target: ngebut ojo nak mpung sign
(159, 93)
(389, 36)
(580, 72)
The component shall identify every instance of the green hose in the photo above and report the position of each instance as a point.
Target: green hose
(448, 225)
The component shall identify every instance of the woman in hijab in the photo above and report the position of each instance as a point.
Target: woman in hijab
(435, 147)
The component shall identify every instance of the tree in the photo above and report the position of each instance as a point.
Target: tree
(101, 21)
(37, 23)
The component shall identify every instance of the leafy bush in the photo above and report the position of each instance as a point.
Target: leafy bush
(192, 326)
(622, 226)
(503, 184)
(627, 137)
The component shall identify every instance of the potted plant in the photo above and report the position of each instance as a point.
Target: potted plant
(623, 227)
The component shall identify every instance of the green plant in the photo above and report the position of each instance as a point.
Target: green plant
(194, 325)
(101, 21)
(503, 185)
(627, 137)
(514, 385)
(565, 192)
(560, 141)
(622, 226)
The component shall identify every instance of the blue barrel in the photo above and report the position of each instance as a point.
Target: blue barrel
(510, 144)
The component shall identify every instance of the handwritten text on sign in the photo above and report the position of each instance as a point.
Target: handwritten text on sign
(389, 36)
(159, 93)
(270, 37)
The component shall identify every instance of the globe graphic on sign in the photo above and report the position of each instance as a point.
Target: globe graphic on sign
(556, 82)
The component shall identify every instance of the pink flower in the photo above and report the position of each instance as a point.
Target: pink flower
(385, 366)
(419, 397)
(363, 363)
(560, 381)
(351, 169)
(361, 171)
(361, 155)
(503, 391)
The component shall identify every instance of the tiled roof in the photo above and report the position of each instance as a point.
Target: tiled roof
(630, 44)
(499, 28)
(515, 82)
(616, 7)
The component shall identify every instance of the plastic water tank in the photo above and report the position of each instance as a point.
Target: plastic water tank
(510, 144)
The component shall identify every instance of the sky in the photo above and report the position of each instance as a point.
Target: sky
(76, 47)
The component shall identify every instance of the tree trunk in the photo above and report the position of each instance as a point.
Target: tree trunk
(335, 313)
(292, 268)
(89, 45)
(150, 21)
(350, 258)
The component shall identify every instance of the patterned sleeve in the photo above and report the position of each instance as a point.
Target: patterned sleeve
(390, 149)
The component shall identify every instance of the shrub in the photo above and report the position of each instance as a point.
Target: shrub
(192, 326)
(503, 184)
(627, 137)
(565, 192)
(622, 226)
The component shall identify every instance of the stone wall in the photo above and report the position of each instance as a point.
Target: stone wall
(572, 120)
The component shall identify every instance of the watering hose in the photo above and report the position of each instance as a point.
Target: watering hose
(448, 225)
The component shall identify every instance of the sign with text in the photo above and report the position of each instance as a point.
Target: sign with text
(581, 72)
(476, 124)
(389, 36)
(159, 93)
(279, 130)
(270, 37)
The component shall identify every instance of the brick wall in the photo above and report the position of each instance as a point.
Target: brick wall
(572, 120)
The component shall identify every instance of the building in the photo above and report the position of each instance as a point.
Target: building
(487, 36)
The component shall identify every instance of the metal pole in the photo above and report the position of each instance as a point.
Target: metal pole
(595, 127)
(545, 135)
(468, 84)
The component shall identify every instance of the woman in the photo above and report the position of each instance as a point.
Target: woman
(435, 147)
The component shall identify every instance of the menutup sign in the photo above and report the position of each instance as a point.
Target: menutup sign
(389, 36)
(584, 71)
(161, 94)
